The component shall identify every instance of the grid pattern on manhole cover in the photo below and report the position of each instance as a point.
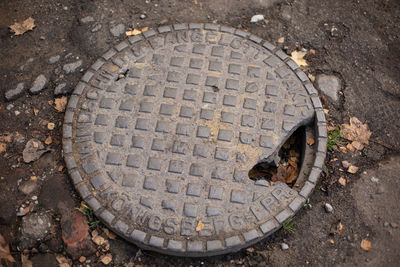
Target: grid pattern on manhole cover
(161, 132)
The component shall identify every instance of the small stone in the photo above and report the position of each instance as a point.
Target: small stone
(284, 246)
(17, 113)
(87, 19)
(51, 126)
(374, 179)
(256, 18)
(329, 85)
(82, 259)
(59, 90)
(54, 59)
(96, 28)
(15, 93)
(118, 30)
(28, 187)
(10, 107)
(35, 227)
(39, 84)
(42, 38)
(385, 224)
(328, 207)
(71, 67)
(34, 149)
(142, 16)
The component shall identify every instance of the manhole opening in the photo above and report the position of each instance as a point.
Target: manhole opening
(287, 165)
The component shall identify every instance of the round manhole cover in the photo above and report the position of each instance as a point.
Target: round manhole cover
(161, 132)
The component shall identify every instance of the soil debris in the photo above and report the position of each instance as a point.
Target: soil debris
(357, 132)
(365, 244)
(34, 149)
(60, 103)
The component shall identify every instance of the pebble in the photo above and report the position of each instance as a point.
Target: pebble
(284, 246)
(39, 84)
(256, 18)
(118, 30)
(54, 59)
(329, 85)
(59, 90)
(328, 208)
(16, 92)
(385, 224)
(17, 113)
(28, 187)
(87, 19)
(71, 67)
(10, 107)
(96, 28)
(35, 227)
(142, 16)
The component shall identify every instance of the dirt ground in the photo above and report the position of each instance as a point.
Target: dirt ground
(357, 41)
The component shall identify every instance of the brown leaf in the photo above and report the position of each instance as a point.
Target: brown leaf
(106, 259)
(281, 40)
(352, 169)
(350, 147)
(310, 141)
(51, 126)
(6, 138)
(25, 261)
(136, 31)
(35, 111)
(3, 147)
(342, 181)
(109, 234)
(21, 27)
(60, 103)
(365, 244)
(48, 140)
(356, 131)
(5, 251)
(357, 145)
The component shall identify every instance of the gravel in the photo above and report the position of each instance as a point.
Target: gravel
(118, 30)
(284, 246)
(329, 85)
(328, 207)
(54, 59)
(71, 67)
(96, 28)
(13, 94)
(87, 19)
(60, 89)
(39, 84)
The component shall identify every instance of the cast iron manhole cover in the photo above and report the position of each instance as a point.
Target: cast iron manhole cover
(161, 132)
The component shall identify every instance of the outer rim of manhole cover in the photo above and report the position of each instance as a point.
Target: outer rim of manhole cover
(88, 178)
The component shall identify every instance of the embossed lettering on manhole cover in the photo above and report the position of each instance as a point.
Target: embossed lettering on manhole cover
(161, 131)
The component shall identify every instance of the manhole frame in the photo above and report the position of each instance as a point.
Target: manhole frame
(320, 127)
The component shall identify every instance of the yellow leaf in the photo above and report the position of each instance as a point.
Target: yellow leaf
(60, 103)
(133, 32)
(297, 56)
(199, 226)
(365, 244)
(21, 27)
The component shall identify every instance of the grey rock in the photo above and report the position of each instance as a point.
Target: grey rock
(329, 85)
(60, 89)
(96, 28)
(284, 246)
(71, 67)
(286, 13)
(34, 149)
(87, 19)
(35, 227)
(143, 16)
(28, 187)
(39, 84)
(118, 30)
(10, 107)
(328, 207)
(54, 59)
(16, 92)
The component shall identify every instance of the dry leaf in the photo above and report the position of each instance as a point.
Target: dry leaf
(332, 241)
(82, 259)
(25, 261)
(109, 234)
(144, 29)
(365, 244)
(5, 251)
(133, 32)
(60, 103)
(343, 149)
(310, 141)
(195, 2)
(33, 178)
(326, 111)
(60, 168)
(352, 169)
(200, 226)
(3, 147)
(311, 77)
(297, 56)
(98, 240)
(51, 126)
(356, 131)
(6, 138)
(35, 111)
(106, 259)
(281, 40)
(313, 52)
(342, 181)
(350, 147)
(48, 140)
(346, 164)
(357, 145)
(21, 27)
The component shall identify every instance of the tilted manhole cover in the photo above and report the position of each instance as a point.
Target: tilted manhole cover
(161, 132)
